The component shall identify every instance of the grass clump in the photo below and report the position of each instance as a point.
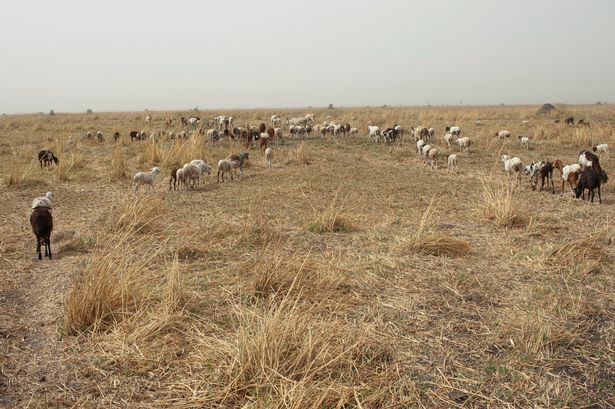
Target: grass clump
(119, 164)
(500, 206)
(427, 241)
(114, 283)
(136, 214)
(300, 155)
(330, 220)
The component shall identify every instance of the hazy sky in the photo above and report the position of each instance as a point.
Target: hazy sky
(70, 55)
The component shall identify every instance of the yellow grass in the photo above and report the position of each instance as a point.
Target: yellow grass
(349, 275)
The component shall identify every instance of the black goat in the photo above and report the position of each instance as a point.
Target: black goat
(591, 178)
(42, 225)
(45, 157)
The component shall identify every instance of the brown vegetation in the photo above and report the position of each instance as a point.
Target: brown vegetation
(350, 275)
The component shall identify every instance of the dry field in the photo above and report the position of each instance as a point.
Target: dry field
(348, 276)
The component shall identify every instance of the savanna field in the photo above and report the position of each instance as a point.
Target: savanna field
(349, 275)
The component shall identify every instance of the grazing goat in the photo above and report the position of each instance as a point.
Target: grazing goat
(455, 130)
(374, 133)
(42, 225)
(432, 134)
(502, 134)
(525, 142)
(464, 143)
(591, 178)
(512, 165)
(543, 171)
(45, 157)
(269, 157)
(570, 174)
(145, 178)
(583, 122)
(447, 139)
(588, 159)
(116, 136)
(226, 166)
(570, 120)
(239, 159)
(432, 157)
(173, 178)
(452, 163)
(602, 148)
(419, 147)
(420, 132)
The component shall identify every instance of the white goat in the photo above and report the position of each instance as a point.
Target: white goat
(525, 142)
(452, 163)
(374, 133)
(226, 166)
(269, 157)
(145, 178)
(464, 143)
(43, 201)
(203, 167)
(502, 134)
(419, 146)
(602, 148)
(512, 165)
(447, 139)
(432, 157)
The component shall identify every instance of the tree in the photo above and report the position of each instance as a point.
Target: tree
(88, 111)
(51, 113)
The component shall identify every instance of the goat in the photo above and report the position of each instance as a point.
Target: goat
(42, 225)
(588, 159)
(591, 178)
(602, 148)
(452, 163)
(145, 178)
(269, 157)
(45, 157)
(239, 159)
(570, 174)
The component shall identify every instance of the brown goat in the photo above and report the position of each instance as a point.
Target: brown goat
(42, 225)
(173, 178)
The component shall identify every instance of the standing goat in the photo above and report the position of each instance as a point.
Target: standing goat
(42, 225)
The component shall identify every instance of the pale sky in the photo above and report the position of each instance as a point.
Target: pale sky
(71, 55)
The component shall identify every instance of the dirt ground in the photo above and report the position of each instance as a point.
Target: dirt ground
(349, 275)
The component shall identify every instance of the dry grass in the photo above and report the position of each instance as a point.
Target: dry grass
(500, 206)
(114, 284)
(425, 240)
(300, 155)
(365, 279)
(331, 219)
(139, 214)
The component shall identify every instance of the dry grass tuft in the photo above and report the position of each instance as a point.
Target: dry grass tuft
(282, 357)
(113, 284)
(300, 155)
(21, 175)
(119, 164)
(500, 206)
(425, 240)
(585, 254)
(276, 268)
(330, 220)
(136, 214)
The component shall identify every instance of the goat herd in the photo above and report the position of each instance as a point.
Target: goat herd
(587, 174)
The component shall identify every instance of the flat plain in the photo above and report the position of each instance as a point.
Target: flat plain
(349, 275)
